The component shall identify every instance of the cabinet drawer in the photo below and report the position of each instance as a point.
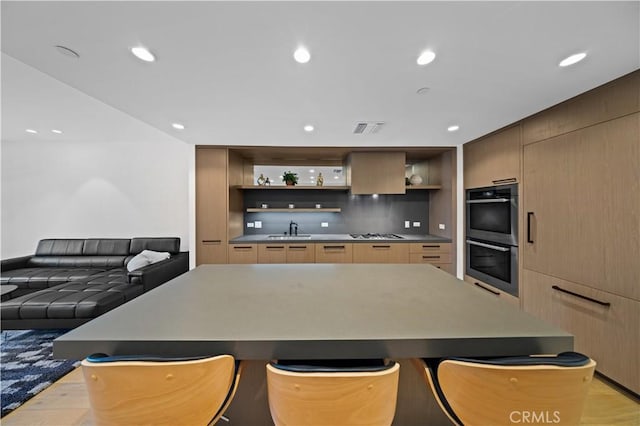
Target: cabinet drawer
(381, 253)
(243, 253)
(606, 326)
(430, 247)
(430, 257)
(272, 253)
(334, 253)
(488, 288)
(301, 253)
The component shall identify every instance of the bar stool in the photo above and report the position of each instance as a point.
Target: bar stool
(127, 390)
(510, 390)
(336, 393)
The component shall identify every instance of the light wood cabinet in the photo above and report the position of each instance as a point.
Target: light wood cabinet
(606, 327)
(272, 253)
(494, 159)
(334, 252)
(580, 210)
(243, 253)
(301, 253)
(211, 205)
(436, 254)
(607, 102)
(487, 288)
(376, 172)
(286, 253)
(381, 252)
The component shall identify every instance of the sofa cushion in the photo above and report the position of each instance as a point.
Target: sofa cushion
(60, 247)
(106, 247)
(172, 245)
(99, 262)
(39, 278)
(69, 301)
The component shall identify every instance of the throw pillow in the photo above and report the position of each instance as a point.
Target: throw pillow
(146, 257)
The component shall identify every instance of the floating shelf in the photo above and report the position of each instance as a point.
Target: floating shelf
(296, 187)
(295, 210)
(424, 187)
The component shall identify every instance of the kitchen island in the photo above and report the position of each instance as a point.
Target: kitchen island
(262, 312)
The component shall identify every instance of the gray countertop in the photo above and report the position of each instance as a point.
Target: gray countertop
(315, 311)
(341, 238)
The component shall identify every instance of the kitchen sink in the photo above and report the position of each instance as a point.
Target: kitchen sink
(290, 237)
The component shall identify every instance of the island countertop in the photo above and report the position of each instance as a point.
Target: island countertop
(304, 311)
(340, 238)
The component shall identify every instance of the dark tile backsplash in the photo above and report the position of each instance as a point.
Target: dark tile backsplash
(360, 213)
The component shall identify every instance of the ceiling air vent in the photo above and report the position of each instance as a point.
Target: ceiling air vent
(368, 127)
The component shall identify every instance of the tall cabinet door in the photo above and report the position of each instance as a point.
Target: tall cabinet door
(211, 205)
(581, 206)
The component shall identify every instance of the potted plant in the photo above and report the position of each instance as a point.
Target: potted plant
(290, 178)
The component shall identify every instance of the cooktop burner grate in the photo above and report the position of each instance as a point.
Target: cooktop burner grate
(376, 236)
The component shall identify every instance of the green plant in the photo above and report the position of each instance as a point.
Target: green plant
(290, 177)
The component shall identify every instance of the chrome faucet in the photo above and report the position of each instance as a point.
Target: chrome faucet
(293, 227)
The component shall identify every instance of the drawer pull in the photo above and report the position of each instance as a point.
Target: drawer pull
(242, 247)
(430, 247)
(431, 257)
(487, 289)
(599, 302)
(333, 247)
(529, 214)
(508, 180)
(211, 241)
(386, 247)
(297, 247)
(275, 247)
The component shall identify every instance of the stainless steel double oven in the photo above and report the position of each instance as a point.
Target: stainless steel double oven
(492, 236)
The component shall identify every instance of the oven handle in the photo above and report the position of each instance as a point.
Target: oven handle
(489, 200)
(489, 246)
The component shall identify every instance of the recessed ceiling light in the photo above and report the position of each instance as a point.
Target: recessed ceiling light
(572, 59)
(177, 126)
(308, 128)
(301, 55)
(453, 128)
(31, 131)
(426, 57)
(56, 131)
(143, 53)
(67, 52)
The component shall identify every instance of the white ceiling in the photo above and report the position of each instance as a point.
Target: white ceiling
(225, 69)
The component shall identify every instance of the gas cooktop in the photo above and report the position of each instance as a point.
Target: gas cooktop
(375, 236)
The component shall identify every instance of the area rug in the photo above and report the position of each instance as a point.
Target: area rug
(27, 366)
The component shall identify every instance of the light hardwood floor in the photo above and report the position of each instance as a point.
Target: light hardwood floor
(65, 403)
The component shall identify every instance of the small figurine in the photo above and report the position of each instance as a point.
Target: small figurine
(320, 180)
(261, 180)
(267, 182)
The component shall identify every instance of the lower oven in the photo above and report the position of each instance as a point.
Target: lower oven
(493, 263)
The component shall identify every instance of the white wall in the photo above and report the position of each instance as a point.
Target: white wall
(129, 180)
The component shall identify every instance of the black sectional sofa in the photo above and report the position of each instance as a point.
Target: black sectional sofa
(68, 282)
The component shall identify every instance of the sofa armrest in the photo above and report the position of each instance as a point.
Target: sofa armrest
(151, 276)
(15, 263)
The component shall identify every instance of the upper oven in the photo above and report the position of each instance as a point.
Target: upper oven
(492, 214)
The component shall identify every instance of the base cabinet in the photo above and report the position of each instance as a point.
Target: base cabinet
(286, 253)
(436, 254)
(606, 326)
(380, 253)
(487, 288)
(243, 253)
(334, 253)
